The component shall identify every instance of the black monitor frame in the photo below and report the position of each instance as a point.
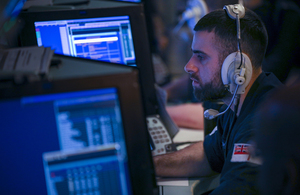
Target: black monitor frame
(139, 32)
(135, 129)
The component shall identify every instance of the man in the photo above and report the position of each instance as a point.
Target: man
(225, 150)
(277, 140)
(187, 112)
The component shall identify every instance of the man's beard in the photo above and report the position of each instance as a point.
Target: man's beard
(214, 90)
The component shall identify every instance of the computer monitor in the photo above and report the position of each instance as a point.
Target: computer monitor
(85, 135)
(103, 38)
(97, 170)
(118, 27)
(103, 13)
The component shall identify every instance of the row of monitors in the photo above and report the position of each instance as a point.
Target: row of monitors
(80, 136)
(75, 136)
(101, 32)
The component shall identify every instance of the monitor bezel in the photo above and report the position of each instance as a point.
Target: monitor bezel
(136, 135)
(139, 34)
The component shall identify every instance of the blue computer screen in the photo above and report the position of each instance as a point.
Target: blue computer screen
(73, 121)
(105, 39)
(92, 171)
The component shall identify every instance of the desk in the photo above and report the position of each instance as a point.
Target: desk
(187, 186)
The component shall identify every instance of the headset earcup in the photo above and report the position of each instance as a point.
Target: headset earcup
(230, 69)
(227, 68)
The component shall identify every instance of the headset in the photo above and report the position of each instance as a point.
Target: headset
(236, 71)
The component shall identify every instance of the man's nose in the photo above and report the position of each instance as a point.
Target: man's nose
(190, 67)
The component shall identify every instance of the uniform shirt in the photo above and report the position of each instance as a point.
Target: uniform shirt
(227, 147)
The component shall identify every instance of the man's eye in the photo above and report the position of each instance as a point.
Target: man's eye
(200, 57)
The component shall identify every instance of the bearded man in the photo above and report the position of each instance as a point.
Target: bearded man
(226, 149)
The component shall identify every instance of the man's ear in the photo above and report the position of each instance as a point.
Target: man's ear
(291, 185)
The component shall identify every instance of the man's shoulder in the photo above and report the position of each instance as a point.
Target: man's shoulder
(267, 84)
(263, 85)
(267, 81)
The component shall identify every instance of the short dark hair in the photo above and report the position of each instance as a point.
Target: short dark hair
(218, 4)
(254, 37)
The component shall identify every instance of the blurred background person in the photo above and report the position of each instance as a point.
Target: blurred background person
(282, 20)
(277, 142)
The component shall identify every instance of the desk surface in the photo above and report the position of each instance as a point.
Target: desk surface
(184, 135)
(187, 186)
(195, 186)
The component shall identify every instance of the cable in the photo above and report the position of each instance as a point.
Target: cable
(239, 38)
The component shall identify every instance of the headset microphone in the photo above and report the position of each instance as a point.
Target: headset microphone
(234, 76)
(211, 113)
